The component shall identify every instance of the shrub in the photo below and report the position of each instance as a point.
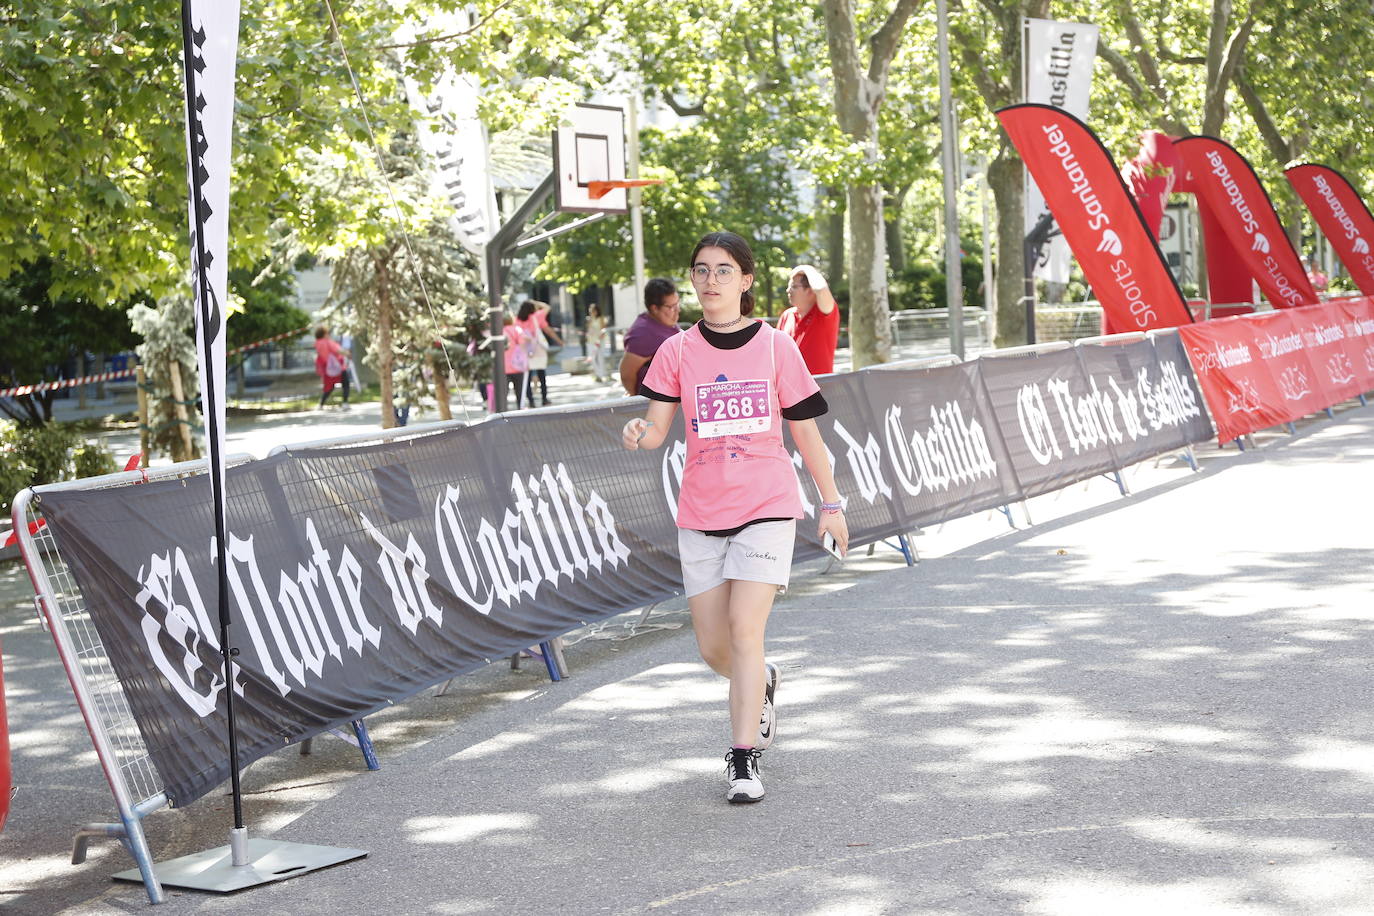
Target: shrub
(33, 455)
(93, 460)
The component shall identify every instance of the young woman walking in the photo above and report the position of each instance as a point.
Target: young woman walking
(737, 379)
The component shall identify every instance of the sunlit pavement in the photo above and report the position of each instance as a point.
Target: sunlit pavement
(1158, 703)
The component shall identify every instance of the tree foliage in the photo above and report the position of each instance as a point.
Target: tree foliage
(92, 149)
(46, 338)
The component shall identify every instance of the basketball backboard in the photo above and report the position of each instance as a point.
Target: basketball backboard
(591, 148)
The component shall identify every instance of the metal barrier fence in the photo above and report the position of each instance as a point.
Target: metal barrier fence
(911, 326)
(118, 743)
(134, 783)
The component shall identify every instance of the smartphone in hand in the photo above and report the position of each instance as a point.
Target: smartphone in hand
(832, 548)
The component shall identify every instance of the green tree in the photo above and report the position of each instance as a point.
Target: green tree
(399, 279)
(92, 148)
(49, 337)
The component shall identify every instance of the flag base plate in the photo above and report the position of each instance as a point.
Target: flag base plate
(268, 860)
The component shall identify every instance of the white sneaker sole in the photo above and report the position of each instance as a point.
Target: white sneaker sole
(743, 796)
(766, 741)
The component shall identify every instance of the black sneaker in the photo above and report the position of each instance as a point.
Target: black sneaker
(768, 721)
(742, 774)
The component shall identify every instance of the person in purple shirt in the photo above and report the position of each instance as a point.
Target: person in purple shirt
(649, 331)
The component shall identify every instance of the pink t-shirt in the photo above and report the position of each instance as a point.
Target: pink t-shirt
(738, 469)
(517, 349)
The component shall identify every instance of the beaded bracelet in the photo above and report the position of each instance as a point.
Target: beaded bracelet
(832, 507)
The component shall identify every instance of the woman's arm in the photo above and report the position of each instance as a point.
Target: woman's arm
(652, 429)
(807, 436)
(546, 328)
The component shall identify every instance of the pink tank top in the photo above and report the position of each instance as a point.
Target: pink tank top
(737, 467)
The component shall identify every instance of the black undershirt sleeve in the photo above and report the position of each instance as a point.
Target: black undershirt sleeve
(653, 395)
(807, 408)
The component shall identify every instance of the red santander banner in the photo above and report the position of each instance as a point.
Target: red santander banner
(1098, 217)
(1235, 380)
(1357, 320)
(1224, 179)
(1279, 338)
(1343, 217)
(1330, 351)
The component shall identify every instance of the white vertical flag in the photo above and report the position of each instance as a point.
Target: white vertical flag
(1058, 71)
(455, 140)
(211, 30)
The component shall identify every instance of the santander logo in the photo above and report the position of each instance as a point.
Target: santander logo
(1360, 245)
(1260, 243)
(1111, 243)
(1233, 192)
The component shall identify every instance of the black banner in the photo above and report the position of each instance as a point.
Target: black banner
(360, 575)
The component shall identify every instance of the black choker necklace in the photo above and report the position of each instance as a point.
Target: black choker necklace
(722, 325)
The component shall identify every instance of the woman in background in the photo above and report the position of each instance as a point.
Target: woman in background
(331, 362)
(534, 318)
(596, 341)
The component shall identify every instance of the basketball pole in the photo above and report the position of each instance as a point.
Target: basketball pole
(636, 202)
(502, 245)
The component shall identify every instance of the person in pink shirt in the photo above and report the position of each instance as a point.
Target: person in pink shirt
(534, 318)
(737, 379)
(518, 347)
(331, 362)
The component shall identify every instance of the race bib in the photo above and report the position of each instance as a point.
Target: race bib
(735, 408)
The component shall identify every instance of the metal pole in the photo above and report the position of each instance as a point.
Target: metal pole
(949, 157)
(989, 283)
(1028, 261)
(496, 312)
(636, 202)
(503, 242)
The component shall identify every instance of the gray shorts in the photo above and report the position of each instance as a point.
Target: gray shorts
(760, 553)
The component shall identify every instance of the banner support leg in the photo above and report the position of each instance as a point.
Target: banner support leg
(902, 547)
(556, 645)
(365, 744)
(546, 652)
(1190, 457)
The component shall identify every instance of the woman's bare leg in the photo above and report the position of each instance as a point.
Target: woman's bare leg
(711, 623)
(749, 606)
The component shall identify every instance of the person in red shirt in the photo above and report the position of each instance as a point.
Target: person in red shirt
(813, 320)
(331, 362)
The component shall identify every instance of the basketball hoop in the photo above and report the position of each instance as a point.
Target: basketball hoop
(599, 189)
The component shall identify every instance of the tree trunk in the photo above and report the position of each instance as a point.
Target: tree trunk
(385, 358)
(1214, 106)
(835, 268)
(892, 227)
(858, 98)
(870, 331)
(1004, 177)
(441, 390)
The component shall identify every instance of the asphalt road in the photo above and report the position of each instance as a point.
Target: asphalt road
(1138, 705)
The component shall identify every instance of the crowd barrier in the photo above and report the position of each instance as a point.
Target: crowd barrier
(363, 572)
(1271, 368)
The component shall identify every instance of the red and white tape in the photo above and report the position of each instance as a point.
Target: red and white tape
(22, 390)
(64, 383)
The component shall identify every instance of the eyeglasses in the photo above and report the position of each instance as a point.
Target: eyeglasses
(724, 273)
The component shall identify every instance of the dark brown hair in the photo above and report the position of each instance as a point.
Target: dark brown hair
(737, 248)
